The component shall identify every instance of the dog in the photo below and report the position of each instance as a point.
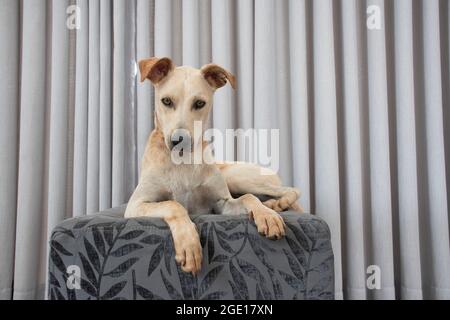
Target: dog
(184, 95)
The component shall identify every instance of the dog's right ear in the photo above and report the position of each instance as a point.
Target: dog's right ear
(217, 76)
(155, 69)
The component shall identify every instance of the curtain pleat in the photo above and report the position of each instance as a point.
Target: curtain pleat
(105, 102)
(244, 72)
(163, 28)
(58, 121)
(363, 118)
(32, 151)
(435, 223)
(223, 48)
(144, 49)
(381, 253)
(9, 139)
(58, 108)
(353, 186)
(118, 107)
(299, 58)
(406, 151)
(265, 100)
(206, 40)
(190, 31)
(283, 101)
(244, 63)
(325, 129)
(205, 37)
(81, 111)
(131, 72)
(92, 191)
(177, 29)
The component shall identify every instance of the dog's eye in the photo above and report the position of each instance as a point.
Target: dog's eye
(199, 104)
(167, 102)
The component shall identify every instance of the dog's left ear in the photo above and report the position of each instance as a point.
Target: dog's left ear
(155, 69)
(217, 76)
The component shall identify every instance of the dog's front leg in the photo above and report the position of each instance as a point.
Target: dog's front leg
(188, 250)
(230, 207)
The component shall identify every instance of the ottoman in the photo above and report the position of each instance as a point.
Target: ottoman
(105, 256)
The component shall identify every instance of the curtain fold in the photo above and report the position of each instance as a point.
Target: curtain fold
(105, 103)
(436, 231)
(363, 112)
(10, 27)
(81, 110)
(32, 173)
(408, 210)
(92, 192)
(380, 220)
(222, 53)
(144, 91)
(352, 139)
(326, 175)
(301, 96)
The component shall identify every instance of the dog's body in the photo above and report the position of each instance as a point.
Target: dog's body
(170, 191)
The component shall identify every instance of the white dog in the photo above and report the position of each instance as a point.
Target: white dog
(170, 191)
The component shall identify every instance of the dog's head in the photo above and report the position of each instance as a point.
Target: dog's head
(183, 95)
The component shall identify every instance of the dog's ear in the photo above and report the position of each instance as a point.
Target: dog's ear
(155, 69)
(217, 76)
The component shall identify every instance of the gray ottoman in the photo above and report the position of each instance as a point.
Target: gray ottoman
(104, 256)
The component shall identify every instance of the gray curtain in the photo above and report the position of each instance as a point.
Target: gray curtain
(364, 119)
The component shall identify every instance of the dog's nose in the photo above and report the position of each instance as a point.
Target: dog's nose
(176, 142)
(180, 138)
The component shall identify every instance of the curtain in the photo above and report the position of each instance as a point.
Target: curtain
(363, 112)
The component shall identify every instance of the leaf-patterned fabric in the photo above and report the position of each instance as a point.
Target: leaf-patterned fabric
(134, 259)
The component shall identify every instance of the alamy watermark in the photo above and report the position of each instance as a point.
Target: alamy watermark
(373, 281)
(261, 146)
(73, 20)
(374, 18)
(73, 277)
(373, 22)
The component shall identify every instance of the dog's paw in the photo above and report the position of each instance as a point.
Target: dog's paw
(297, 207)
(188, 250)
(280, 205)
(269, 223)
(286, 202)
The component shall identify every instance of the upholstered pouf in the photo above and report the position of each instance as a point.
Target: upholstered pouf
(104, 256)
